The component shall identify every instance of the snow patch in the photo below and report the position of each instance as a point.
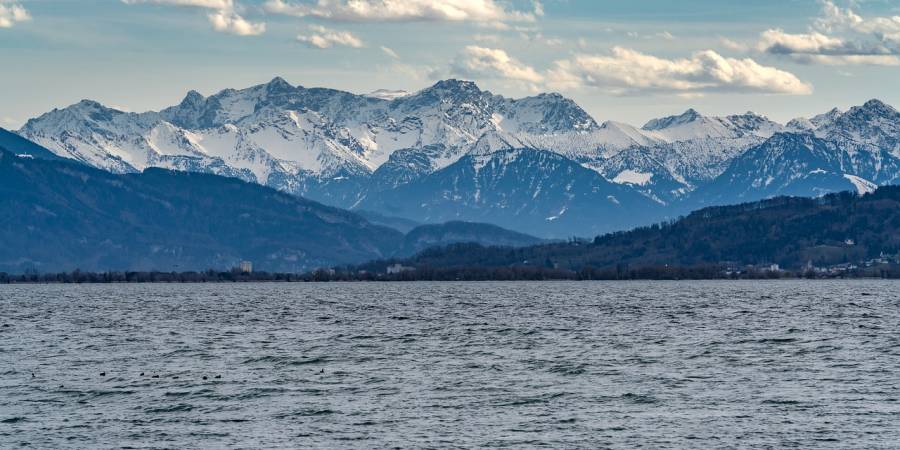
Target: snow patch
(632, 177)
(862, 185)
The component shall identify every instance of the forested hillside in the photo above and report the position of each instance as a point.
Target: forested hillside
(791, 232)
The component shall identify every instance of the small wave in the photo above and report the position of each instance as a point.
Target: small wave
(640, 399)
(533, 400)
(180, 407)
(258, 393)
(285, 360)
(778, 401)
(106, 393)
(306, 412)
(776, 340)
(16, 419)
(569, 369)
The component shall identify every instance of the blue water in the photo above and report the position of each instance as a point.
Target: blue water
(654, 364)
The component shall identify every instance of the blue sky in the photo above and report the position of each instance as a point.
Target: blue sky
(627, 61)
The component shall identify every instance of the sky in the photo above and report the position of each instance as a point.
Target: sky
(628, 61)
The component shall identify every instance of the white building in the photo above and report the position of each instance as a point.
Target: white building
(398, 268)
(246, 267)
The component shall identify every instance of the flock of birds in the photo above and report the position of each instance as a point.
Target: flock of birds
(174, 377)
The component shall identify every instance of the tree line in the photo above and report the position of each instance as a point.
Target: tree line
(512, 273)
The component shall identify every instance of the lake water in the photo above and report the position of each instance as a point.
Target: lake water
(621, 365)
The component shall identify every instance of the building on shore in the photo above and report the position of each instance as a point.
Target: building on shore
(398, 268)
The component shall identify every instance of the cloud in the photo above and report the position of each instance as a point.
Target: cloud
(390, 52)
(734, 45)
(628, 72)
(230, 22)
(11, 13)
(838, 37)
(224, 17)
(483, 11)
(321, 37)
(477, 62)
(819, 48)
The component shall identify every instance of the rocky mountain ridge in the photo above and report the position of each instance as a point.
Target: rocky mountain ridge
(405, 152)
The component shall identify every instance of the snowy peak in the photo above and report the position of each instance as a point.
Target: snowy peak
(278, 85)
(878, 107)
(872, 115)
(873, 111)
(452, 92)
(662, 123)
(452, 88)
(692, 125)
(549, 113)
(871, 126)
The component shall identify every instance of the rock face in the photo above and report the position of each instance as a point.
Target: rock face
(394, 152)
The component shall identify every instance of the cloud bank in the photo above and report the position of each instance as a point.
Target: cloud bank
(628, 72)
(484, 11)
(839, 37)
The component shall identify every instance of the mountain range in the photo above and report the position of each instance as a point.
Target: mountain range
(454, 152)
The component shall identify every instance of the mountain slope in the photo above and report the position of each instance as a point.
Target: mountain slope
(66, 216)
(440, 235)
(527, 190)
(16, 144)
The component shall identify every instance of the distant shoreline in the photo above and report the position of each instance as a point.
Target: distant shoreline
(444, 275)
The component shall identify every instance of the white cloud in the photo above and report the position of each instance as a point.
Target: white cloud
(778, 42)
(734, 45)
(627, 71)
(11, 13)
(475, 61)
(230, 22)
(839, 37)
(224, 16)
(390, 52)
(321, 37)
(485, 11)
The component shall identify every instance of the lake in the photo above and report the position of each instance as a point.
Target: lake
(722, 364)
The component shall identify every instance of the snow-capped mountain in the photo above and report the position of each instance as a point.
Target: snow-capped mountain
(856, 150)
(296, 138)
(397, 152)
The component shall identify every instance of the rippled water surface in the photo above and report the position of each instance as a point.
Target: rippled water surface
(655, 364)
